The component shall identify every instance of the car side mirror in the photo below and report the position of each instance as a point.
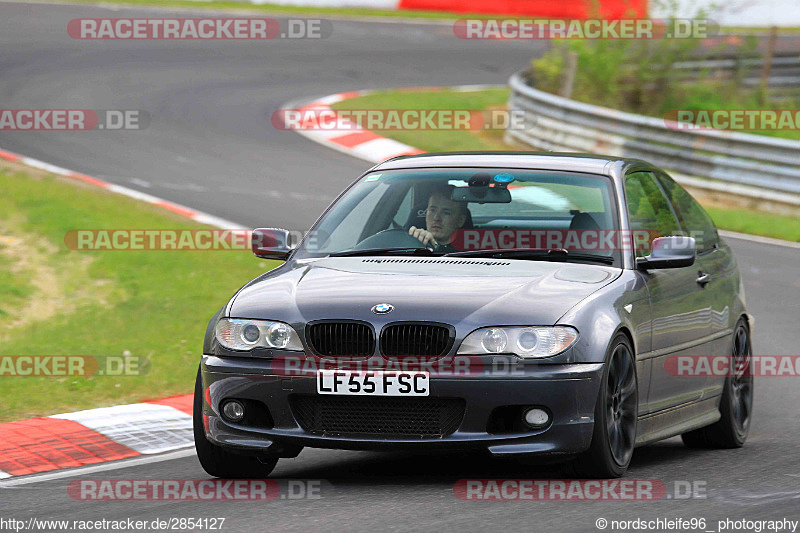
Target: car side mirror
(271, 243)
(669, 252)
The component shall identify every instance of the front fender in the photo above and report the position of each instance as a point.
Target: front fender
(209, 340)
(620, 306)
(623, 304)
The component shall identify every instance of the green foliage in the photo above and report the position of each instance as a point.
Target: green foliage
(640, 76)
(635, 75)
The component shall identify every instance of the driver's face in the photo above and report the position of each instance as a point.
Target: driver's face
(443, 217)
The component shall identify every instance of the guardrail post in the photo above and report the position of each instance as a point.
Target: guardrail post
(568, 84)
(766, 68)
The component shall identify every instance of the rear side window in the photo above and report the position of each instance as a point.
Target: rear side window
(693, 217)
(648, 209)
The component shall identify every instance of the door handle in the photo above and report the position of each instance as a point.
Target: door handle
(703, 278)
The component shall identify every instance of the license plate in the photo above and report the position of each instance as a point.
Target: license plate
(362, 383)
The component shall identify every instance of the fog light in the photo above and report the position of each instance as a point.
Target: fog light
(233, 410)
(536, 418)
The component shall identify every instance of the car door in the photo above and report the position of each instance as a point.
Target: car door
(680, 310)
(716, 270)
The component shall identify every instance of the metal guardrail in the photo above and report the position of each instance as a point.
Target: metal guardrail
(725, 158)
(784, 72)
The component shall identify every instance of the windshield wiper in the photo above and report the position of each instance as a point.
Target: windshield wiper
(552, 254)
(385, 251)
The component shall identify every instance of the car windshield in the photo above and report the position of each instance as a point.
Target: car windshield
(523, 214)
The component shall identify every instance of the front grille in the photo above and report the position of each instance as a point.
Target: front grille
(391, 417)
(341, 338)
(415, 339)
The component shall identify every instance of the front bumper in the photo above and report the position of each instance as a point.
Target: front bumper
(568, 391)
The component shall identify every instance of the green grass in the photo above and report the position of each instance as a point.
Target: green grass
(13, 289)
(741, 220)
(153, 304)
(756, 223)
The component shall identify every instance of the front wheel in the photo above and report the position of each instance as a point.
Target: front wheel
(217, 461)
(736, 405)
(615, 416)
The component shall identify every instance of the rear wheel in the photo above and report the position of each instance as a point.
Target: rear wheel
(615, 415)
(736, 405)
(217, 461)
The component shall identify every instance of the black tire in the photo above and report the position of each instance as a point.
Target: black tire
(615, 413)
(217, 461)
(736, 405)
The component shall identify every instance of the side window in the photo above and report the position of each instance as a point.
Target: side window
(648, 209)
(693, 217)
(404, 209)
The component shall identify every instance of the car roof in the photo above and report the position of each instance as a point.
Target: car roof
(575, 162)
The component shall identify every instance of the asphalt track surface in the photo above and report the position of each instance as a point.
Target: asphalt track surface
(211, 146)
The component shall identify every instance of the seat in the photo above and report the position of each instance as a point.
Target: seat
(584, 221)
(588, 222)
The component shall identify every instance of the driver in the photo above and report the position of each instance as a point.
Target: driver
(442, 217)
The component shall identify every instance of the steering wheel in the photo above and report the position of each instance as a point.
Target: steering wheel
(390, 238)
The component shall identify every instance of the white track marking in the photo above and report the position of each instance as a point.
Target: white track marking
(377, 150)
(145, 427)
(199, 216)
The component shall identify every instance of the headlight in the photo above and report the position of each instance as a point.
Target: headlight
(523, 341)
(243, 334)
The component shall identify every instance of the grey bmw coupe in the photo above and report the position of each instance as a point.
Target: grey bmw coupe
(529, 305)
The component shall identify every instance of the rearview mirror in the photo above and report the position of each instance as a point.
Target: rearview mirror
(271, 243)
(481, 195)
(669, 252)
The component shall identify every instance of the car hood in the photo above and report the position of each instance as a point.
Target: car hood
(451, 290)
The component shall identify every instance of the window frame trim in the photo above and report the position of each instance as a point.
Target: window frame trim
(654, 175)
(660, 174)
